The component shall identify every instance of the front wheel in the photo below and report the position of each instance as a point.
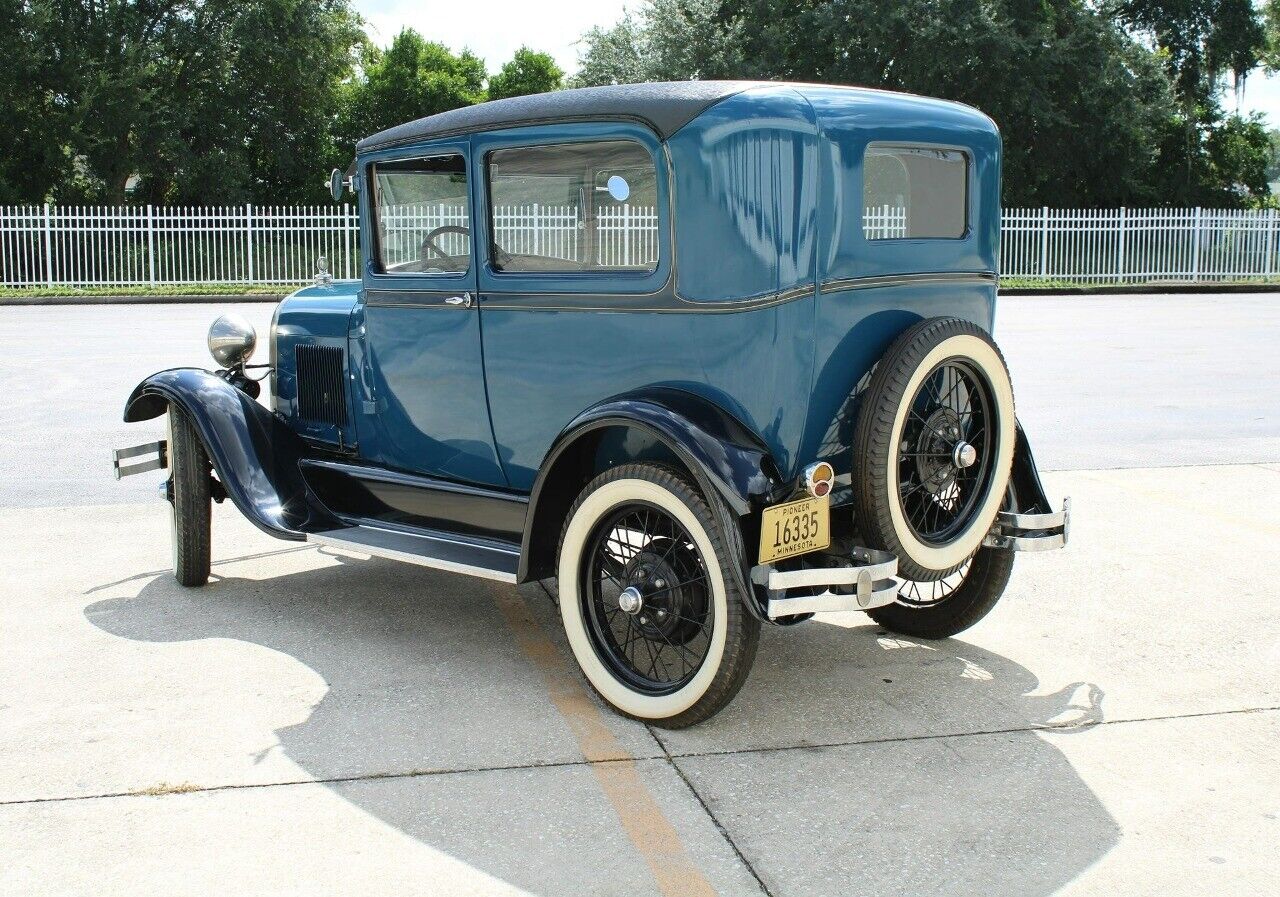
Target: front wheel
(190, 500)
(941, 608)
(648, 604)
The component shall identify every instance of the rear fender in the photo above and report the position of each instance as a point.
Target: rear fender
(723, 456)
(254, 454)
(1026, 492)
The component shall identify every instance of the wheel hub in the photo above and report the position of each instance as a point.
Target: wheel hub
(631, 601)
(654, 590)
(935, 450)
(963, 455)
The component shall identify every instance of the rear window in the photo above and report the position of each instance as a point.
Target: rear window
(914, 192)
(574, 207)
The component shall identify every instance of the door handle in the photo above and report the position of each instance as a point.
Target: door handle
(464, 300)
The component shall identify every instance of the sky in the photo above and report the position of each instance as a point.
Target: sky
(495, 29)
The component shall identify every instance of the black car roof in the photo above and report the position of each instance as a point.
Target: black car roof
(665, 107)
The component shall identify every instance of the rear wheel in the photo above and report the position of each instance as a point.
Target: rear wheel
(190, 500)
(943, 607)
(647, 601)
(933, 447)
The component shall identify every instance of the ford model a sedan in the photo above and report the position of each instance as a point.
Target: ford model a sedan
(713, 355)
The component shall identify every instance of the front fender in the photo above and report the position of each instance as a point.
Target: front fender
(254, 454)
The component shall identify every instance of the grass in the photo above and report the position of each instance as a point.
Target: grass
(169, 289)
(1050, 285)
(165, 788)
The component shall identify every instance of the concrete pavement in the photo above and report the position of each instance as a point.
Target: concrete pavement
(321, 723)
(316, 723)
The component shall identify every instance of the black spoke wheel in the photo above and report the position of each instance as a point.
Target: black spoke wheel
(649, 598)
(658, 642)
(944, 469)
(933, 447)
(940, 608)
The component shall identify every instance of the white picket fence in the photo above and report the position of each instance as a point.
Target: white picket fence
(1139, 245)
(88, 246)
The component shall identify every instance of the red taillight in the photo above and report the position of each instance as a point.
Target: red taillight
(818, 479)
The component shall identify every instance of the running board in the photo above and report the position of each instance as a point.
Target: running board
(452, 553)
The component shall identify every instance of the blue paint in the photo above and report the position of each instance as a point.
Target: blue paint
(760, 304)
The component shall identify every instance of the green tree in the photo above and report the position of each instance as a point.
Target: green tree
(1271, 43)
(1201, 40)
(1080, 104)
(1207, 157)
(32, 159)
(1090, 115)
(666, 40)
(193, 100)
(527, 72)
(412, 78)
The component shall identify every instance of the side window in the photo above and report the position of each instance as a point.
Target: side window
(576, 207)
(423, 216)
(914, 192)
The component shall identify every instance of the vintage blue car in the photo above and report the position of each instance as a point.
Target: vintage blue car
(712, 355)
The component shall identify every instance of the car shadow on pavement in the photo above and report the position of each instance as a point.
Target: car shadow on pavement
(853, 760)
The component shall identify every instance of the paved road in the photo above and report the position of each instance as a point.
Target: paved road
(1115, 381)
(319, 723)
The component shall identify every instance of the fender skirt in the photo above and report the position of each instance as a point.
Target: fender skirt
(254, 455)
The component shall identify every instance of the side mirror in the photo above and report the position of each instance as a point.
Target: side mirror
(337, 184)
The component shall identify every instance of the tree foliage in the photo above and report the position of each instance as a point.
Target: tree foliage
(411, 78)
(214, 101)
(1100, 102)
(1091, 112)
(528, 72)
(189, 100)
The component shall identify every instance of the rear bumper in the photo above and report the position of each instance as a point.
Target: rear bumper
(1031, 532)
(866, 581)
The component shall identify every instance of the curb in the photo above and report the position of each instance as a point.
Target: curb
(142, 300)
(1146, 289)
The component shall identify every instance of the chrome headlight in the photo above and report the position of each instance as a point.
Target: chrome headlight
(232, 340)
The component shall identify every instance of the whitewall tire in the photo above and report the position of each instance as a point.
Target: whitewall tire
(933, 447)
(679, 647)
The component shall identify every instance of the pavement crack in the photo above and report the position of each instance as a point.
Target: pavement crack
(186, 788)
(724, 832)
(978, 733)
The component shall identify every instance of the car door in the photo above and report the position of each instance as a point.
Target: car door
(416, 333)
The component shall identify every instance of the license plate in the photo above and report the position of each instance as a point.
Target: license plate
(795, 528)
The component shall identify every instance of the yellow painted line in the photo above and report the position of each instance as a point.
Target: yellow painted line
(615, 768)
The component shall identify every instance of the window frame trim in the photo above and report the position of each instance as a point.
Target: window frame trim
(969, 191)
(487, 167)
(376, 266)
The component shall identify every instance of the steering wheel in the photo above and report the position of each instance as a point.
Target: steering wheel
(429, 241)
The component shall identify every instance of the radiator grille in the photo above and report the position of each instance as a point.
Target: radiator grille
(321, 388)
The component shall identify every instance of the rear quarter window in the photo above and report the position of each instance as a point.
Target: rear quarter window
(914, 192)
